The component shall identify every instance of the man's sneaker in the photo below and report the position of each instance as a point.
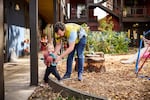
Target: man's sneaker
(80, 77)
(66, 77)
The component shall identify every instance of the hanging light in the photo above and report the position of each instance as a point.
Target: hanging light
(17, 7)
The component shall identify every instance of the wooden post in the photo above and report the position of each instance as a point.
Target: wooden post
(120, 18)
(2, 89)
(56, 18)
(33, 15)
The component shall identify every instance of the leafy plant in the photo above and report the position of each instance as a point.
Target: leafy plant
(110, 42)
(107, 41)
(106, 24)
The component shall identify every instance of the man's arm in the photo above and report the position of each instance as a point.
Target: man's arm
(57, 48)
(68, 50)
(65, 53)
(71, 40)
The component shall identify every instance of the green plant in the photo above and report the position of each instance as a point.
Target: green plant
(107, 41)
(110, 42)
(106, 24)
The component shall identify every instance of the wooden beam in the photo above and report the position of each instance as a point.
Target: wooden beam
(55, 16)
(33, 15)
(120, 19)
(55, 2)
(2, 89)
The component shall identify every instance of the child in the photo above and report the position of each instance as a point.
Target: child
(26, 47)
(44, 42)
(49, 58)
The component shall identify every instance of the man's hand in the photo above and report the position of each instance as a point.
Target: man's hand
(58, 59)
(57, 48)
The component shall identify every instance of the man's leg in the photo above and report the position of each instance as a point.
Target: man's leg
(69, 65)
(80, 54)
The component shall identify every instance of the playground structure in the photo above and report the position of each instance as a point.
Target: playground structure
(144, 57)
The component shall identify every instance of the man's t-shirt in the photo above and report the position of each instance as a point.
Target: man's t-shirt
(73, 32)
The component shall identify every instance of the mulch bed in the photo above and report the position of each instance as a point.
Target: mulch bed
(119, 82)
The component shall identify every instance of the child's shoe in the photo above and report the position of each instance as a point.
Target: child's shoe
(60, 82)
(44, 85)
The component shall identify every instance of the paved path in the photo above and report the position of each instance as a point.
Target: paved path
(17, 79)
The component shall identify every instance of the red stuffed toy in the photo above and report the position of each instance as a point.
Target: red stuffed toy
(49, 60)
(45, 54)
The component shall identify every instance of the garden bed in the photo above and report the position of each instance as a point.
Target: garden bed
(119, 82)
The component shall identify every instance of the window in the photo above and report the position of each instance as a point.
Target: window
(80, 10)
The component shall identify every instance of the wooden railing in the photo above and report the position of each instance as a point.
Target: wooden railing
(90, 1)
(136, 12)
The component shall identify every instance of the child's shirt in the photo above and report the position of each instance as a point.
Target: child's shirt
(49, 61)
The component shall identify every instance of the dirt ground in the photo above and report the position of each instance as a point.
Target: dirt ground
(119, 82)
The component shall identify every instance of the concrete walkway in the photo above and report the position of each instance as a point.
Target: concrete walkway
(17, 79)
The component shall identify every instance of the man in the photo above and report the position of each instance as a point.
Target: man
(76, 38)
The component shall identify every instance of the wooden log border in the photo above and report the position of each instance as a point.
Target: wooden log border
(66, 91)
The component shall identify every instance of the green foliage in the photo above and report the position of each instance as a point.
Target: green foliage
(85, 26)
(106, 24)
(107, 41)
(110, 42)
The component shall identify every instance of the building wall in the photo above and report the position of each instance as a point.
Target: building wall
(148, 7)
(17, 23)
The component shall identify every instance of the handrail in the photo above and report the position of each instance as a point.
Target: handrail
(136, 12)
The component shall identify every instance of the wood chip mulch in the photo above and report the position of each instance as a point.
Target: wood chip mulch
(119, 82)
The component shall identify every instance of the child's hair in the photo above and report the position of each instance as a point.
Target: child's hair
(43, 35)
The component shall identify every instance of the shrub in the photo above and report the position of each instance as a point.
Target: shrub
(107, 42)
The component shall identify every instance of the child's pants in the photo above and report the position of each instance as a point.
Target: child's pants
(53, 70)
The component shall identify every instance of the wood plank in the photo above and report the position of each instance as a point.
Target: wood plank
(33, 12)
(2, 89)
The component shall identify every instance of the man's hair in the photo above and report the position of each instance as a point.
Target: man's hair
(59, 25)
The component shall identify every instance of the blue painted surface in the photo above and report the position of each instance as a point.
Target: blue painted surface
(15, 39)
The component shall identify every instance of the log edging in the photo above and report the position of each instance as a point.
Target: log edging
(71, 92)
